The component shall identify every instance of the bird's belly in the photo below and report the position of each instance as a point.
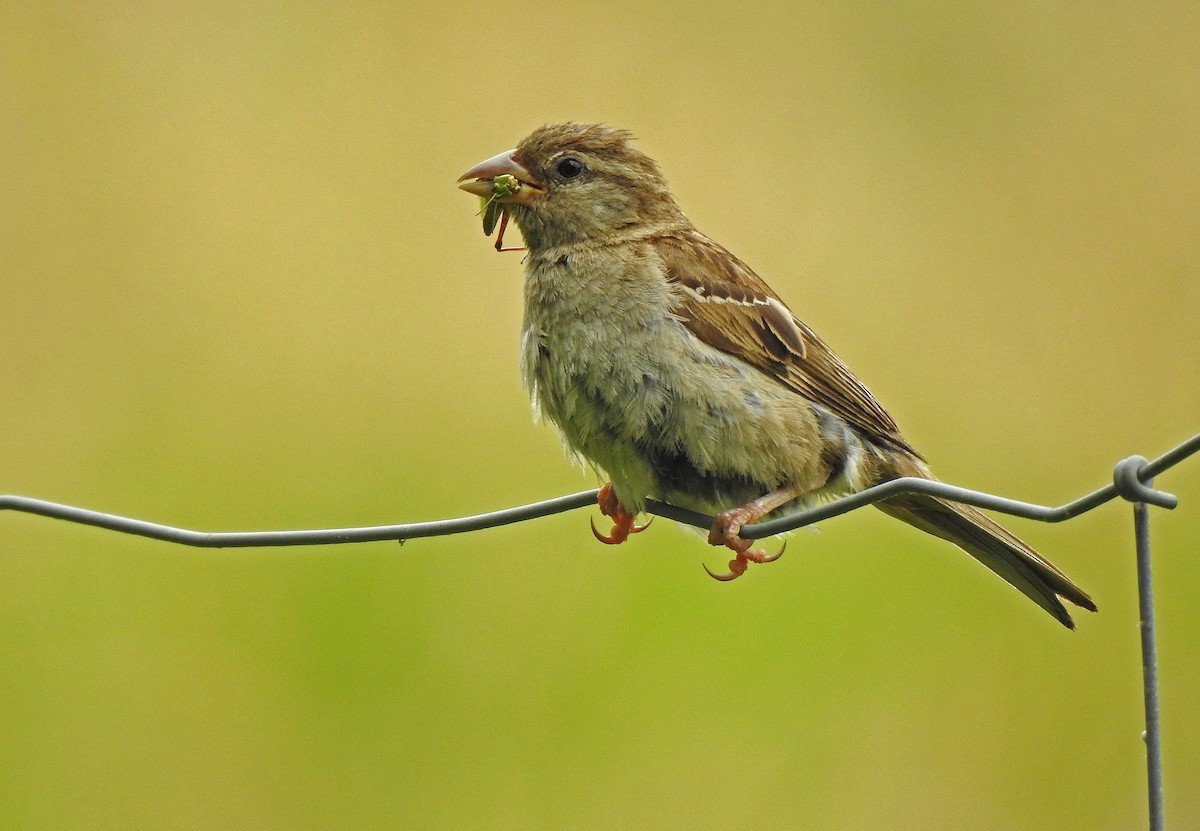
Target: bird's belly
(666, 416)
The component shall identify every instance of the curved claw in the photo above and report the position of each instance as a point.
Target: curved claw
(622, 528)
(770, 558)
(607, 540)
(733, 573)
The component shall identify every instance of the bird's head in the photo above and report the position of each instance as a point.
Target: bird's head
(571, 183)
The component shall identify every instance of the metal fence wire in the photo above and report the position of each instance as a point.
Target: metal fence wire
(1133, 480)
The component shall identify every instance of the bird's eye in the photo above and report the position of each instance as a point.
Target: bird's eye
(569, 168)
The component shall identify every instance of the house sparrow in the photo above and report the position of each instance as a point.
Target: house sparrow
(671, 366)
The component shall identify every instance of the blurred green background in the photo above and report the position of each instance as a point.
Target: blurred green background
(240, 291)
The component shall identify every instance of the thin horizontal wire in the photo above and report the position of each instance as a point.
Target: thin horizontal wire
(323, 536)
(1130, 474)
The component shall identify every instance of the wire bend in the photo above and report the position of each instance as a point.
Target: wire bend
(1133, 484)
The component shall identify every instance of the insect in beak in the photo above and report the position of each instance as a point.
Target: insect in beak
(503, 186)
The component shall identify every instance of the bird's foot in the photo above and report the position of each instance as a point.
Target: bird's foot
(726, 531)
(738, 565)
(623, 521)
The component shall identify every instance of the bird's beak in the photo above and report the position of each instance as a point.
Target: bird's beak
(481, 180)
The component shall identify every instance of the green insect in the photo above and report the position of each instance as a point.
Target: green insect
(503, 186)
(491, 210)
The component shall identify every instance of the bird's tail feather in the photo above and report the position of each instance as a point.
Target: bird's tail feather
(994, 546)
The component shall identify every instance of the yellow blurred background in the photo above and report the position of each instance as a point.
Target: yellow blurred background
(240, 291)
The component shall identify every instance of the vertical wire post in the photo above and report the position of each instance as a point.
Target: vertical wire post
(1135, 483)
(1141, 531)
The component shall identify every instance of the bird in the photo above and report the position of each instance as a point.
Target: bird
(671, 367)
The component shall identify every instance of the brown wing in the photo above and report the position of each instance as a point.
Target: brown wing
(729, 307)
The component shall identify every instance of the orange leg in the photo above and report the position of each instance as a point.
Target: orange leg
(623, 522)
(500, 236)
(727, 525)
